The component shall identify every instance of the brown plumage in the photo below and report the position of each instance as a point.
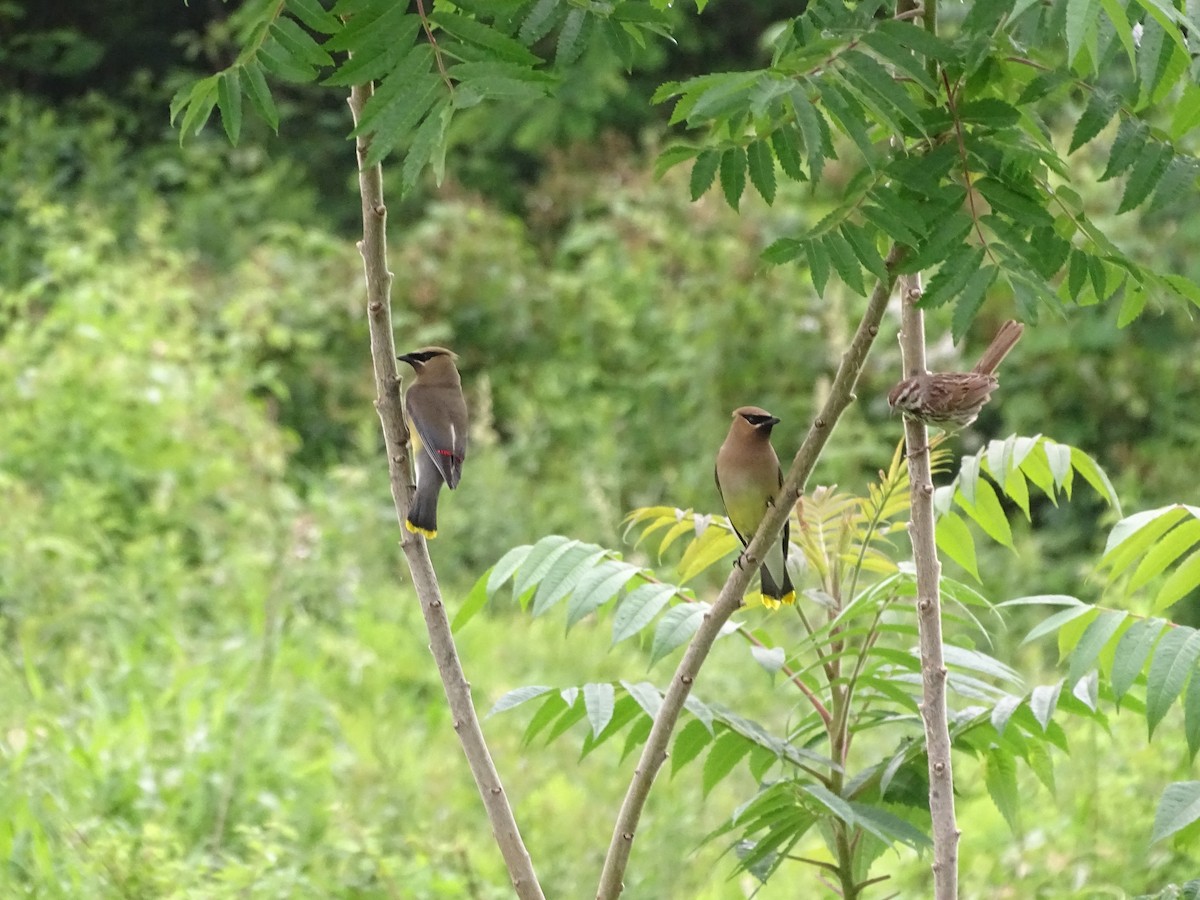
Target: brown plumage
(437, 421)
(748, 478)
(954, 399)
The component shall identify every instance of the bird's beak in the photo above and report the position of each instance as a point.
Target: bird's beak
(772, 421)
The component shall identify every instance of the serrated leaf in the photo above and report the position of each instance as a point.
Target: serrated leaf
(597, 587)
(818, 265)
(199, 106)
(638, 609)
(229, 101)
(1053, 623)
(474, 32)
(955, 540)
(260, 95)
(951, 277)
(1126, 147)
(1191, 716)
(871, 77)
(862, 241)
(761, 165)
(543, 555)
(507, 566)
(646, 695)
(691, 739)
(1082, 18)
(298, 43)
(726, 751)
(571, 38)
(1101, 107)
(518, 696)
(1178, 808)
(987, 512)
(563, 575)
(1144, 176)
(733, 175)
(676, 628)
(770, 658)
(315, 16)
(704, 170)
(808, 119)
(1130, 656)
(1000, 777)
(428, 146)
(841, 254)
(475, 601)
(786, 144)
(1096, 477)
(1171, 665)
(539, 22)
(1095, 638)
(1180, 583)
(1042, 701)
(598, 701)
(970, 301)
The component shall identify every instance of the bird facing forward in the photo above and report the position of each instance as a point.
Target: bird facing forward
(748, 478)
(952, 400)
(437, 422)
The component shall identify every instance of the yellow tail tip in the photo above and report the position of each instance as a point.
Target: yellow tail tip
(416, 529)
(789, 599)
(770, 603)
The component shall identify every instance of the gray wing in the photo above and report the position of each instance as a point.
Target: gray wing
(443, 435)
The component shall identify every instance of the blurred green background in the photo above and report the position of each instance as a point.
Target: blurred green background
(215, 681)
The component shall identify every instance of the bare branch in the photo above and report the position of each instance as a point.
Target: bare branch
(395, 434)
(929, 614)
(654, 753)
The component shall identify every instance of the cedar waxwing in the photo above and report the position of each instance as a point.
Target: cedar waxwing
(437, 422)
(748, 478)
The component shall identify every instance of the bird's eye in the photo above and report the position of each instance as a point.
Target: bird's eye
(757, 419)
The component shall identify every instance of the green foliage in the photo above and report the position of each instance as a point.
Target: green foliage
(854, 663)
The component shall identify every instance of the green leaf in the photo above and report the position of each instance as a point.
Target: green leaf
(676, 628)
(970, 301)
(1165, 552)
(256, 88)
(474, 32)
(1099, 632)
(882, 42)
(849, 113)
(539, 22)
(1180, 583)
(1053, 623)
(786, 143)
(1123, 27)
(562, 576)
(229, 101)
(312, 14)
(1000, 777)
(988, 513)
(1042, 701)
(1191, 716)
(1130, 656)
(1127, 147)
(518, 696)
(727, 750)
(862, 241)
(955, 540)
(704, 170)
(809, 120)
(598, 701)
(691, 739)
(475, 601)
(733, 175)
(1095, 476)
(597, 587)
(950, 279)
(572, 38)
(1010, 198)
(1134, 534)
(841, 254)
(889, 827)
(298, 43)
(541, 559)
(428, 146)
(639, 608)
(761, 164)
(871, 77)
(818, 265)
(1186, 114)
(1082, 18)
(507, 566)
(1172, 664)
(1100, 109)
(1178, 808)
(199, 105)
(1144, 176)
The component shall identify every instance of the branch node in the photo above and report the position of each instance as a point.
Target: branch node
(927, 488)
(686, 679)
(819, 423)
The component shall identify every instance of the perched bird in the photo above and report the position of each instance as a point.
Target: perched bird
(437, 422)
(748, 478)
(952, 400)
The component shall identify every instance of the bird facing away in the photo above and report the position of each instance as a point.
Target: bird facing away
(437, 422)
(954, 399)
(748, 478)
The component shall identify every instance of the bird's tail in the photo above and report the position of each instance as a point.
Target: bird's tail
(1005, 339)
(422, 512)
